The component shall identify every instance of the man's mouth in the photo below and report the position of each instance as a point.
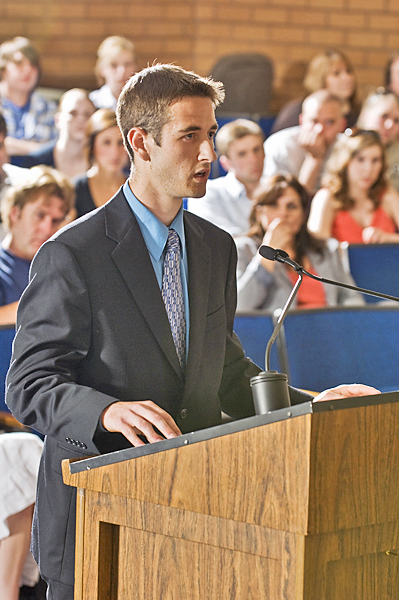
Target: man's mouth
(202, 175)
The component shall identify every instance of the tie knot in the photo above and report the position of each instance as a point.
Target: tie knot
(173, 243)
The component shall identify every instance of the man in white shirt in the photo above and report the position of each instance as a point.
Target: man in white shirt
(303, 150)
(228, 200)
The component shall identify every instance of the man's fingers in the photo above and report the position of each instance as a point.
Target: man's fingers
(344, 391)
(139, 418)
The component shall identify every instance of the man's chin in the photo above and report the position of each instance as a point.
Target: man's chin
(198, 191)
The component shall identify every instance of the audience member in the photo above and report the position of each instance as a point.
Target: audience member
(356, 204)
(330, 70)
(31, 213)
(392, 73)
(67, 154)
(228, 200)
(29, 116)
(303, 150)
(107, 157)
(380, 112)
(278, 219)
(19, 464)
(9, 174)
(116, 62)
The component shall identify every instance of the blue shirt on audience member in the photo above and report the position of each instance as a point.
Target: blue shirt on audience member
(14, 276)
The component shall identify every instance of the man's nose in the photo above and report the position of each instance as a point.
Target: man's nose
(207, 151)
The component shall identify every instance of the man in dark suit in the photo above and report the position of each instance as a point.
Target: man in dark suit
(95, 366)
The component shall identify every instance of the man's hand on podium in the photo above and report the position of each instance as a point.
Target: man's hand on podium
(139, 418)
(345, 391)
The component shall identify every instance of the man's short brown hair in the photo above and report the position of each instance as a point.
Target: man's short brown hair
(235, 130)
(42, 180)
(18, 44)
(147, 96)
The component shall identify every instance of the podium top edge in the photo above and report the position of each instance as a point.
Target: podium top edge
(232, 427)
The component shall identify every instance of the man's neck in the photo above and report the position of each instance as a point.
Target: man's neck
(17, 97)
(250, 188)
(9, 244)
(165, 209)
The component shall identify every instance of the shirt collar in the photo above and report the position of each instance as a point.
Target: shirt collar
(154, 232)
(236, 187)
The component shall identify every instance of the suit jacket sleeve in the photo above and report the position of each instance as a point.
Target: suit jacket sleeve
(53, 335)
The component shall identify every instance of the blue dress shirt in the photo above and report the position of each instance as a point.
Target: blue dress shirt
(155, 236)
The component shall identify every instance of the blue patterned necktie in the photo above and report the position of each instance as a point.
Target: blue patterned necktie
(172, 294)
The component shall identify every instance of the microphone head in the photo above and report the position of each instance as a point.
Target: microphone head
(282, 253)
(268, 252)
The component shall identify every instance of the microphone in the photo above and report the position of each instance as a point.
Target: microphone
(270, 388)
(282, 257)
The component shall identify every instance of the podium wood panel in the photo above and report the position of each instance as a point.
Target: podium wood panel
(301, 509)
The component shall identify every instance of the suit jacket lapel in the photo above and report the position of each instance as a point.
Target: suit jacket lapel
(132, 259)
(199, 267)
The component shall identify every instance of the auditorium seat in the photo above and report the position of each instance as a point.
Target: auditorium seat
(374, 267)
(248, 82)
(254, 330)
(7, 333)
(326, 347)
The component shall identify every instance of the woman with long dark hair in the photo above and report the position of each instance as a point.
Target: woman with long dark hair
(278, 219)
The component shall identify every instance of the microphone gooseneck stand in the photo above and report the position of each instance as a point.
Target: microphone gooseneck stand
(270, 388)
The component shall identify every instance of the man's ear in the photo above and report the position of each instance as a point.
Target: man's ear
(139, 141)
(224, 161)
(15, 213)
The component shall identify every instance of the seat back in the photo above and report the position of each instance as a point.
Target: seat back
(327, 347)
(254, 331)
(375, 267)
(248, 81)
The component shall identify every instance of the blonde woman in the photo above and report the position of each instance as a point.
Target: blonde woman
(330, 70)
(356, 204)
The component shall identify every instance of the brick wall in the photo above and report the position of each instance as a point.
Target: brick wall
(194, 33)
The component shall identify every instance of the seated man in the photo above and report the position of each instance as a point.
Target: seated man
(116, 62)
(31, 212)
(302, 151)
(29, 116)
(227, 202)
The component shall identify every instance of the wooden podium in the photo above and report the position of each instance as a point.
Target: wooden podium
(300, 504)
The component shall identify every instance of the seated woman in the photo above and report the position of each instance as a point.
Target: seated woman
(108, 159)
(278, 219)
(330, 70)
(116, 62)
(356, 204)
(19, 463)
(67, 154)
(380, 112)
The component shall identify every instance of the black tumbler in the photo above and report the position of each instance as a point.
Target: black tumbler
(270, 391)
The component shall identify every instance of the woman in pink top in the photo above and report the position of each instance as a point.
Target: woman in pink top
(356, 204)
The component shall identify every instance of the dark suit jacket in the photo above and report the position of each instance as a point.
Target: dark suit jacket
(92, 329)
